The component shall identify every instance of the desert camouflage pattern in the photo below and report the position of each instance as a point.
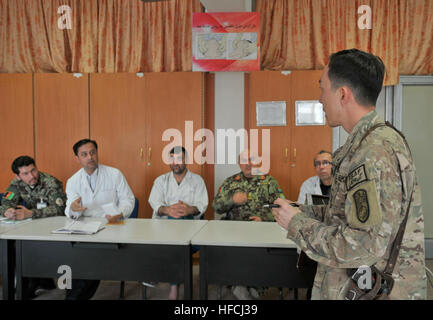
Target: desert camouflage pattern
(48, 188)
(260, 190)
(369, 197)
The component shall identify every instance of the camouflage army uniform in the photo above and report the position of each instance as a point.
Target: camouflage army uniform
(369, 197)
(260, 190)
(48, 188)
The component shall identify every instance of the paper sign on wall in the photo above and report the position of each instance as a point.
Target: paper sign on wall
(226, 41)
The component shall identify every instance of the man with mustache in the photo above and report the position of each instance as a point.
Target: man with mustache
(322, 181)
(93, 186)
(32, 194)
(179, 194)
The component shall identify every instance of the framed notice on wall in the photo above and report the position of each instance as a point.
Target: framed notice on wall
(271, 113)
(226, 41)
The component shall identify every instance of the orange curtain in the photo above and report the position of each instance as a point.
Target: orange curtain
(106, 36)
(301, 34)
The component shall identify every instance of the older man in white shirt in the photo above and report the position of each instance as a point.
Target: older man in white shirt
(179, 194)
(320, 183)
(93, 186)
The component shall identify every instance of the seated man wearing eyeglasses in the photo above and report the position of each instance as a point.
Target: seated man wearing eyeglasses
(320, 183)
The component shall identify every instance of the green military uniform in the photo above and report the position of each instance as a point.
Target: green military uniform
(48, 189)
(373, 181)
(260, 190)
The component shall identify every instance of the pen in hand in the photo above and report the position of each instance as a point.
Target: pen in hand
(278, 206)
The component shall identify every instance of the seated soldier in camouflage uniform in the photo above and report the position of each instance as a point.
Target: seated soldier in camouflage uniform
(32, 194)
(242, 197)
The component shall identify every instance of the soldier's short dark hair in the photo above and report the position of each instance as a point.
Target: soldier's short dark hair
(22, 161)
(83, 142)
(361, 71)
(177, 150)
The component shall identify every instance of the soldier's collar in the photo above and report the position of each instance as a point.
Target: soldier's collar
(362, 125)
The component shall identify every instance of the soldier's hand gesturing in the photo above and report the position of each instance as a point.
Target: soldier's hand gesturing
(240, 198)
(284, 214)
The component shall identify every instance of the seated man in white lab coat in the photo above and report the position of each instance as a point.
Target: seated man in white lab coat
(320, 183)
(179, 194)
(91, 187)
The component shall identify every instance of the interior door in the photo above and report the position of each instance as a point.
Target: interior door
(118, 124)
(61, 119)
(417, 114)
(16, 122)
(307, 141)
(292, 147)
(268, 86)
(174, 102)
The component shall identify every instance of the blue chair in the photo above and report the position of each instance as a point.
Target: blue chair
(134, 215)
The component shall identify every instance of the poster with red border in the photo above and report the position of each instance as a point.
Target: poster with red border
(226, 41)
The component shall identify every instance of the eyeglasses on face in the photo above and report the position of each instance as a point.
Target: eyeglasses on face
(325, 163)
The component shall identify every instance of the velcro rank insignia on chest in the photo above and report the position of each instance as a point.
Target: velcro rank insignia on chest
(356, 177)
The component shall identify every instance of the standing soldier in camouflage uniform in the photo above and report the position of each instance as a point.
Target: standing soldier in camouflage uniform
(32, 194)
(41, 193)
(243, 195)
(374, 186)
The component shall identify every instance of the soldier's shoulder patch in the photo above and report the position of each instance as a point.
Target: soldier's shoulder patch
(9, 195)
(237, 178)
(363, 209)
(59, 202)
(262, 177)
(361, 204)
(356, 177)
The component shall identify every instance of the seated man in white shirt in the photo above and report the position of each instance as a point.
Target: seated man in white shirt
(179, 194)
(91, 187)
(320, 183)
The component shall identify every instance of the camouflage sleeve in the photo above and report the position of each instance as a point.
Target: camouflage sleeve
(275, 192)
(223, 201)
(56, 202)
(316, 212)
(11, 198)
(372, 210)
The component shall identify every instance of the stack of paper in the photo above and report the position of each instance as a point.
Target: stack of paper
(80, 227)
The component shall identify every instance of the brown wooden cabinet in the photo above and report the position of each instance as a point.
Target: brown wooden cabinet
(43, 115)
(128, 115)
(292, 147)
(16, 122)
(61, 118)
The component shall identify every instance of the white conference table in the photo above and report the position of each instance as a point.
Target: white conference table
(7, 257)
(139, 249)
(246, 253)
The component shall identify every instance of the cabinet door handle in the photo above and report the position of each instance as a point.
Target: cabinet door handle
(294, 155)
(286, 152)
(141, 153)
(149, 157)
